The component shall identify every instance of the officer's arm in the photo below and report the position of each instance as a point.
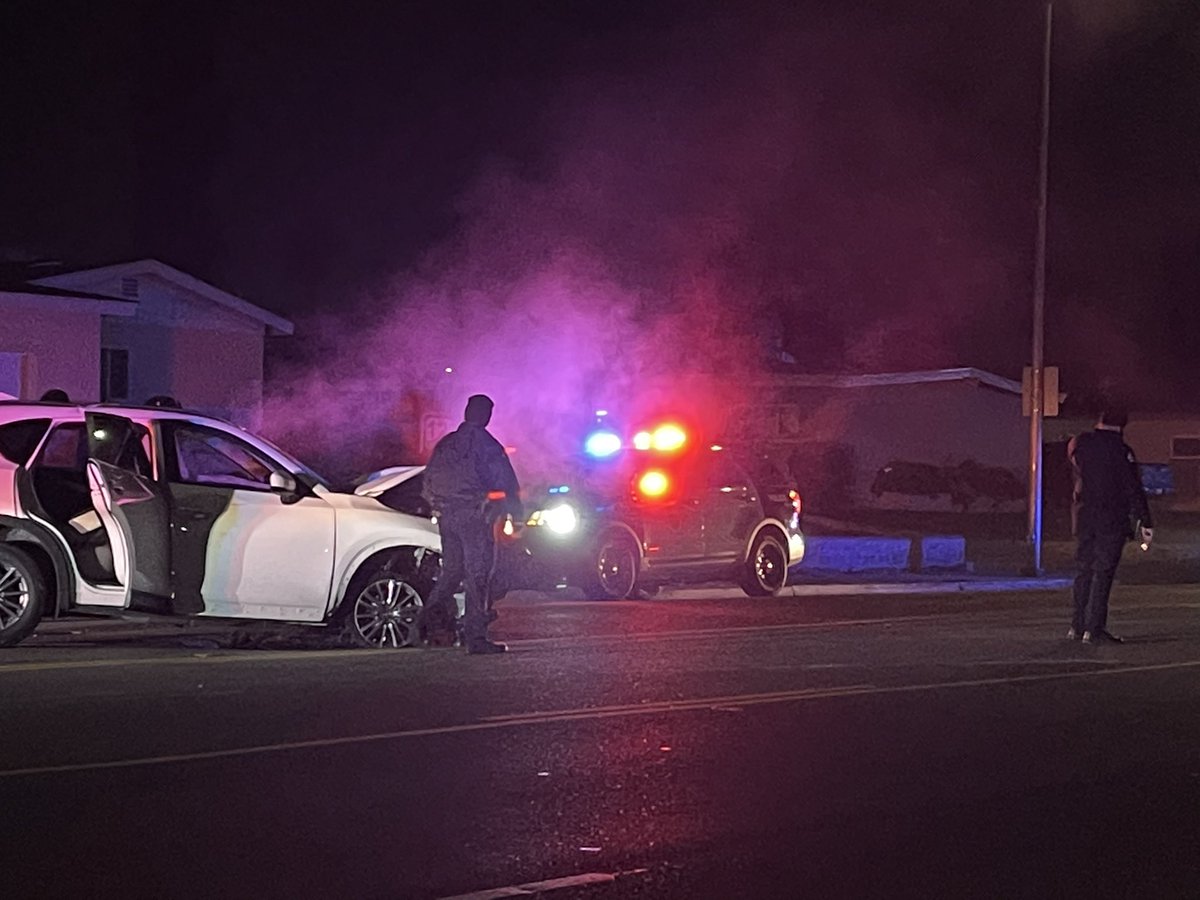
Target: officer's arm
(505, 479)
(429, 479)
(512, 488)
(1076, 474)
(1138, 504)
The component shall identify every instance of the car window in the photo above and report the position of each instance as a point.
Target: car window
(19, 439)
(724, 475)
(65, 448)
(119, 442)
(207, 456)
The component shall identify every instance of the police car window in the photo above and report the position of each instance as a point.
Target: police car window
(206, 456)
(19, 439)
(723, 473)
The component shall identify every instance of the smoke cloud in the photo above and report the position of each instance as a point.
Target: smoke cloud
(705, 198)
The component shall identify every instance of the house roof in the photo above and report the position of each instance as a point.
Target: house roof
(276, 325)
(889, 379)
(17, 279)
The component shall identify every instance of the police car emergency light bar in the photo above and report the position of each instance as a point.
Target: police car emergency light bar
(665, 438)
(602, 443)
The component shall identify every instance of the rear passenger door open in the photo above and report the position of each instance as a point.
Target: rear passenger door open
(133, 510)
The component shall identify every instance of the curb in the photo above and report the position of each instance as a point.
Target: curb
(84, 624)
(986, 585)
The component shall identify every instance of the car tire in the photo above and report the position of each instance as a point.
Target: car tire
(764, 573)
(22, 595)
(381, 608)
(614, 568)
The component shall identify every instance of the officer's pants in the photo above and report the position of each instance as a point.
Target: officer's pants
(1097, 555)
(468, 558)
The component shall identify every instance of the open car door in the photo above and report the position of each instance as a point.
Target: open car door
(132, 507)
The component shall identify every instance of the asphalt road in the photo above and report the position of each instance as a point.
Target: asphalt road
(943, 745)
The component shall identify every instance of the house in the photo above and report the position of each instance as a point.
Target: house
(130, 331)
(1171, 440)
(851, 440)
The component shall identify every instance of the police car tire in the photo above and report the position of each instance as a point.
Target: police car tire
(599, 588)
(753, 583)
(19, 568)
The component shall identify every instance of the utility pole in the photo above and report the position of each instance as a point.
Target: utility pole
(1037, 396)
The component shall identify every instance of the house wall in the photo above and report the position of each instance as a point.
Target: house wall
(60, 347)
(835, 439)
(221, 373)
(1151, 437)
(208, 358)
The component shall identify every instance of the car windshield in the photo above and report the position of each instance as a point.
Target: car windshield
(295, 465)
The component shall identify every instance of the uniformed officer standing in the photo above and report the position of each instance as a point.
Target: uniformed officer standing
(467, 482)
(1108, 490)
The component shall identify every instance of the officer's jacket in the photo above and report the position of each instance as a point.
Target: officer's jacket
(467, 466)
(1108, 488)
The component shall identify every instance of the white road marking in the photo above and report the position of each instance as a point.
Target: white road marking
(668, 705)
(532, 888)
(597, 713)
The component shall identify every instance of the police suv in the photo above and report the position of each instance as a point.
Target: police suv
(108, 509)
(636, 517)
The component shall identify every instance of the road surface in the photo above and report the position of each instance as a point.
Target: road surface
(710, 746)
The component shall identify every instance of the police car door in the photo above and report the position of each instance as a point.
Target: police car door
(132, 507)
(673, 527)
(731, 508)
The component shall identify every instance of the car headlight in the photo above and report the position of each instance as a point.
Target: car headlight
(561, 519)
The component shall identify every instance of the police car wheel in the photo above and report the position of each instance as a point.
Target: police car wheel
(614, 568)
(380, 611)
(22, 595)
(765, 571)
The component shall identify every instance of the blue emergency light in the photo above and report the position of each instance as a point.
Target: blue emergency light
(600, 444)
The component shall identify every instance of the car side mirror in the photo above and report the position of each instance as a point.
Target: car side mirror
(283, 483)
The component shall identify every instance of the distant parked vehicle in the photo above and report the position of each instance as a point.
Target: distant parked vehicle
(916, 479)
(979, 482)
(965, 483)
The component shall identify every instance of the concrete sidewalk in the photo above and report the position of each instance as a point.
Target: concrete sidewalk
(893, 586)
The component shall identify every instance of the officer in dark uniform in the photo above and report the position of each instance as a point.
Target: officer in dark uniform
(468, 483)
(1108, 490)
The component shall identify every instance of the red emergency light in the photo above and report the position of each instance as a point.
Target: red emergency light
(666, 438)
(653, 484)
(797, 503)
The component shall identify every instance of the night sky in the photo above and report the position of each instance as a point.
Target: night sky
(854, 182)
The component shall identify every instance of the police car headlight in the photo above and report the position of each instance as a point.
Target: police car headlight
(561, 519)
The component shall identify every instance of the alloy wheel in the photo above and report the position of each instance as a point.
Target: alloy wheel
(385, 613)
(14, 595)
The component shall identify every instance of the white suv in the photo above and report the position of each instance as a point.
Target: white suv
(106, 509)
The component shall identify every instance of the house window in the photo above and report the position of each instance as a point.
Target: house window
(129, 288)
(114, 374)
(1185, 448)
(11, 369)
